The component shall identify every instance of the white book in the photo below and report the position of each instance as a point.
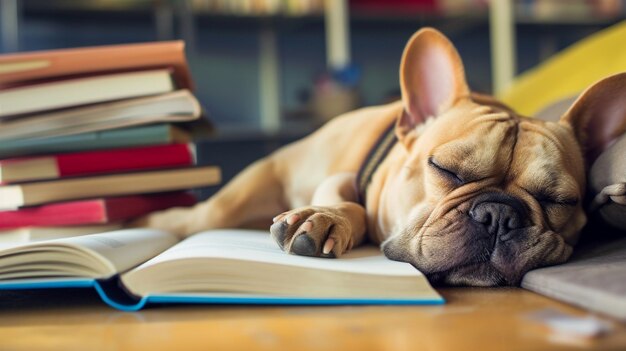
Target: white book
(217, 266)
(178, 106)
(82, 91)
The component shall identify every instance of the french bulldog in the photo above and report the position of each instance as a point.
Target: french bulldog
(468, 191)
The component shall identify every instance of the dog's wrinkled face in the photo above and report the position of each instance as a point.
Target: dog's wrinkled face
(489, 195)
(482, 195)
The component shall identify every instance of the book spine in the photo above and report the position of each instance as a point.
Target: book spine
(25, 67)
(80, 91)
(96, 211)
(125, 208)
(157, 134)
(70, 213)
(15, 196)
(110, 290)
(97, 162)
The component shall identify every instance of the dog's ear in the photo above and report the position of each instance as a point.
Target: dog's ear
(598, 116)
(432, 79)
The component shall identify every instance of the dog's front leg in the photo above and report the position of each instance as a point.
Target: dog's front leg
(332, 225)
(254, 194)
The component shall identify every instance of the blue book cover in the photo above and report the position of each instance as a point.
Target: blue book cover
(157, 134)
(133, 268)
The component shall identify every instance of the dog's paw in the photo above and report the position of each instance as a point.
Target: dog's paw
(313, 231)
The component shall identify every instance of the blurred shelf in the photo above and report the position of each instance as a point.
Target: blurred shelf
(142, 13)
(85, 11)
(143, 9)
(569, 21)
(290, 130)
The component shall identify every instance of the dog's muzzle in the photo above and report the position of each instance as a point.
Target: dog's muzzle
(499, 214)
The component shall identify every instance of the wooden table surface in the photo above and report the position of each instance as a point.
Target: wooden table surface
(473, 319)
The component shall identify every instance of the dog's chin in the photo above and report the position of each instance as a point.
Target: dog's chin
(465, 257)
(472, 274)
(488, 262)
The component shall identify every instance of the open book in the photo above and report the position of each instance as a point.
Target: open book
(132, 267)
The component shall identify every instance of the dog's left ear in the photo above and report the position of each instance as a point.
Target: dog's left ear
(432, 79)
(598, 116)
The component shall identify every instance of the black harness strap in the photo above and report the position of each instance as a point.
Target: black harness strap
(374, 158)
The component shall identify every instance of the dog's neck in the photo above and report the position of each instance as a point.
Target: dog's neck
(384, 161)
(375, 157)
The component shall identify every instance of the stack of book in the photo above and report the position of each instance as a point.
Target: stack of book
(91, 138)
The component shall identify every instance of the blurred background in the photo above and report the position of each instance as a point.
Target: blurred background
(271, 71)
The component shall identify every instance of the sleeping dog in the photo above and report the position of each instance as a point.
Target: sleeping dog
(455, 183)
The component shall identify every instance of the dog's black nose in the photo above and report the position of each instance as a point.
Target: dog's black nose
(498, 213)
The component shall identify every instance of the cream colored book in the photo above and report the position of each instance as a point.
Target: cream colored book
(82, 91)
(33, 234)
(15, 196)
(132, 267)
(178, 106)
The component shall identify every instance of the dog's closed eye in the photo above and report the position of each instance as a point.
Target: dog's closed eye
(557, 208)
(553, 200)
(548, 200)
(445, 171)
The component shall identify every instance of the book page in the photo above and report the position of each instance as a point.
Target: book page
(126, 248)
(258, 246)
(119, 250)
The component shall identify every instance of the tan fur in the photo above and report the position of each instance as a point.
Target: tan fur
(414, 209)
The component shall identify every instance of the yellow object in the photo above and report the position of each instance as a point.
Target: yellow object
(570, 71)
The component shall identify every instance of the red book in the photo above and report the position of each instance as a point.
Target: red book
(95, 162)
(95, 211)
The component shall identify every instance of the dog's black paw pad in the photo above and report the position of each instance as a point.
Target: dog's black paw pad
(304, 245)
(279, 232)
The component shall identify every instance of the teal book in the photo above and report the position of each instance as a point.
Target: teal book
(157, 134)
(132, 268)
